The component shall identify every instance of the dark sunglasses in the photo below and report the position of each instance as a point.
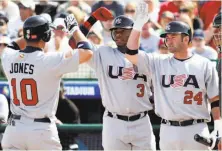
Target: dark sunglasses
(130, 11)
(184, 10)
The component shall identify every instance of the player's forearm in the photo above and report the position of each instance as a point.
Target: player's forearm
(133, 45)
(216, 113)
(134, 40)
(79, 36)
(84, 55)
(142, 16)
(215, 108)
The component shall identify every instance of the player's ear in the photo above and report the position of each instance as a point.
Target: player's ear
(186, 39)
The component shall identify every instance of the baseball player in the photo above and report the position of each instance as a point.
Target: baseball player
(34, 80)
(126, 112)
(183, 82)
(218, 41)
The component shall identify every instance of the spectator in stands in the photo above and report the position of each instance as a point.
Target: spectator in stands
(172, 6)
(106, 33)
(130, 9)
(95, 37)
(78, 13)
(190, 8)
(165, 18)
(154, 8)
(112, 5)
(10, 8)
(4, 112)
(77, 3)
(207, 12)
(162, 47)
(25, 12)
(4, 41)
(46, 6)
(185, 18)
(199, 46)
(59, 39)
(3, 24)
(149, 39)
(81, 17)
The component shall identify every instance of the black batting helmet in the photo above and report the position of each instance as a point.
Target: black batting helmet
(123, 22)
(217, 21)
(36, 28)
(177, 27)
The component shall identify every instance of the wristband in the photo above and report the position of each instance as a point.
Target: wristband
(131, 52)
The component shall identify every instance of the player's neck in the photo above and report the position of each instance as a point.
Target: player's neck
(35, 44)
(184, 54)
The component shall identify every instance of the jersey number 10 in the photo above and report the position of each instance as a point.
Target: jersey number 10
(23, 87)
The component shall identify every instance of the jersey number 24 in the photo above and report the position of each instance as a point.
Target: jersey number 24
(23, 87)
(189, 96)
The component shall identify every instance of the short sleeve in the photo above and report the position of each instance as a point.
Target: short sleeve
(95, 60)
(146, 62)
(60, 64)
(212, 80)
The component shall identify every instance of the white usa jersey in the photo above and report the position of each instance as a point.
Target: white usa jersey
(125, 97)
(34, 79)
(181, 88)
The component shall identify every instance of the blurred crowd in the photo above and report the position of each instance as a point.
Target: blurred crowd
(198, 14)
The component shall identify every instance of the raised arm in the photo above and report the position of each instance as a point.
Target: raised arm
(102, 14)
(83, 46)
(133, 43)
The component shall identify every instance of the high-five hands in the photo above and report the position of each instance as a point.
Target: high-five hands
(71, 24)
(141, 16)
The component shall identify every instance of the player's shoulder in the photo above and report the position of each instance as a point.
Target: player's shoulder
(2, 98)
(156, 56)
(53, 55)
(210, 50)
(10, 50)
(200, 59)
(105, 50)
(104, 47)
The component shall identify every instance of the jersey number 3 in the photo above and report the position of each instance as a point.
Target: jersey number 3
(141, 88)
(23, 87)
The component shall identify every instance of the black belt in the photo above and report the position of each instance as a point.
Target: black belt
(43, 120)
(128, 118)
(182, 123)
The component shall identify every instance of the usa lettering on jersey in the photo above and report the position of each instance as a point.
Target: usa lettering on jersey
(182, 80)
(125, 73)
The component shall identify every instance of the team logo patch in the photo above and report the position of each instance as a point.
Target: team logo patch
(21, 55)
(27, 34)
(179, 80)
(127, 73)
(118, 21)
